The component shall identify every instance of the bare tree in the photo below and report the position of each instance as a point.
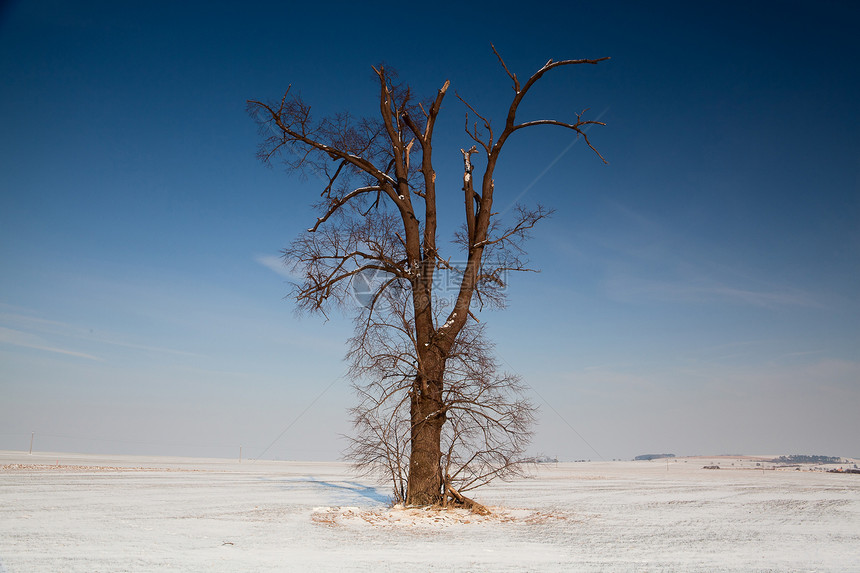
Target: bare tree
(488, 418)
(421, 364)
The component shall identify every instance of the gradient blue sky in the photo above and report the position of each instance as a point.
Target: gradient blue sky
(698, 295)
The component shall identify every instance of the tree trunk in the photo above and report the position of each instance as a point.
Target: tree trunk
(424, 486)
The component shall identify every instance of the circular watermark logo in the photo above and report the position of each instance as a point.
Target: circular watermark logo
(367, 284)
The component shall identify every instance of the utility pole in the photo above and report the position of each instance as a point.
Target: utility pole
(32, 435)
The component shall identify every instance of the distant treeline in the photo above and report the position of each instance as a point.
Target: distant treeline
(801, 459)
(646, 457)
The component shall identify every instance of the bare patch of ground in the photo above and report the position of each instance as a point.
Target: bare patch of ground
(428, 517)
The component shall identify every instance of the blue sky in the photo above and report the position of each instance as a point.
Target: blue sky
(697, 295)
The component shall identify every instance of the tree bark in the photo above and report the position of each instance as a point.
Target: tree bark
(424, 486)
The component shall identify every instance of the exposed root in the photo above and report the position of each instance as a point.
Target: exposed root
(460, 500)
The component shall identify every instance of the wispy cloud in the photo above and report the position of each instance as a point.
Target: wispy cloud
(646, 259)
(30, 330)
(703, 291)
(147, 348)
(276, 264)
(802, 379)
(28, 340)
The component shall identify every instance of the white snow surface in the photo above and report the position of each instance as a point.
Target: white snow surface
(75, 512)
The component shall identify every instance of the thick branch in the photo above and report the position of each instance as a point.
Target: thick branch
(469, 190)
(290, 136)
(577, 127)
(337, 203)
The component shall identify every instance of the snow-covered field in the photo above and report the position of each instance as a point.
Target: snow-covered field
(67, 512)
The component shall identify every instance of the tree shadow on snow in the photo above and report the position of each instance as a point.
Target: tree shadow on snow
(368, 492)
(350, 487)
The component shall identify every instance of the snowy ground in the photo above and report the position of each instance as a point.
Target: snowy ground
(66, 512)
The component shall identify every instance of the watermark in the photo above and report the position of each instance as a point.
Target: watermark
(368, 285)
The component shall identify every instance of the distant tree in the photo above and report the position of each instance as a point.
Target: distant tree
(435, 415)
(649, 457)
(807, 459)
